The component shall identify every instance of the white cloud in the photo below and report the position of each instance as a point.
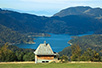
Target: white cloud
(53, 1)
(44, 0)
(47, 5)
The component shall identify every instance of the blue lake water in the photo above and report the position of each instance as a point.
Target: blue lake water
(57, 41)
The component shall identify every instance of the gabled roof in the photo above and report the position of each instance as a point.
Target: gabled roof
(44, 49)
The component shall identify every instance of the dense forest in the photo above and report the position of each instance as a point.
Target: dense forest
(12, 37)
(12, 53)
(89, 41)
(77, 55)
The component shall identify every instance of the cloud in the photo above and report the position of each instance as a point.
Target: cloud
(44, 0)
(50, 6)
(52, 1)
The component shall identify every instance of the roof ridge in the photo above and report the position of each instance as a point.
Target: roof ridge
(44, 50)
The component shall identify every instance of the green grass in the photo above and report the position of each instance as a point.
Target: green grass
(53, 65)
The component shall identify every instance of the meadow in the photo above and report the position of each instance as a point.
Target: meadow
(51, 65)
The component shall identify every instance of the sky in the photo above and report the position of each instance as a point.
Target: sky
(46, 7)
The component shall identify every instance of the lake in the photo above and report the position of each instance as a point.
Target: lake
(57, 41)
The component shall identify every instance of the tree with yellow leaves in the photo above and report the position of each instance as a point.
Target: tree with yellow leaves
(6, 54)
(76, 53)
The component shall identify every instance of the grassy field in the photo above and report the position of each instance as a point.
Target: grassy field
(52, 65)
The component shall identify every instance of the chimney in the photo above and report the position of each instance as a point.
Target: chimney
(44, 42)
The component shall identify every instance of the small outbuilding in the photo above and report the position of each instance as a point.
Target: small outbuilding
(44, 54)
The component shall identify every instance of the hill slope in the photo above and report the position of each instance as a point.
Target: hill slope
(81, 10)
(88, 41)
(21, 22)
(7, 35)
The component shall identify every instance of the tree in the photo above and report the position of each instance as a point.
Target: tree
(90, 55)
(19, 55)
(64, 58)
(6, 54)
(29, 57)
(76, 53)
(96, 56)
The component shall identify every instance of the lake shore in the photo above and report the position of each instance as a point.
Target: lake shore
(57, 41)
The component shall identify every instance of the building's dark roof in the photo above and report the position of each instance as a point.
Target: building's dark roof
(44, 49)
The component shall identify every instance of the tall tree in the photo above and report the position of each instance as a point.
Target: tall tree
(76, 53)
(90, 55)
(6, 54)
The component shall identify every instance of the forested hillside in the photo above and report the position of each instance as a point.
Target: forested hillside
(13, 37)
(89, 41)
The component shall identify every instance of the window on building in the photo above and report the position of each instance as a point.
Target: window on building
(45, 61)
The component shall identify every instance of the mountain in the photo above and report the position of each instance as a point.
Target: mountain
(89, 41)
(12, 37)
(81, 10)
(80, 24)
(20, 21)
(71, 24)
